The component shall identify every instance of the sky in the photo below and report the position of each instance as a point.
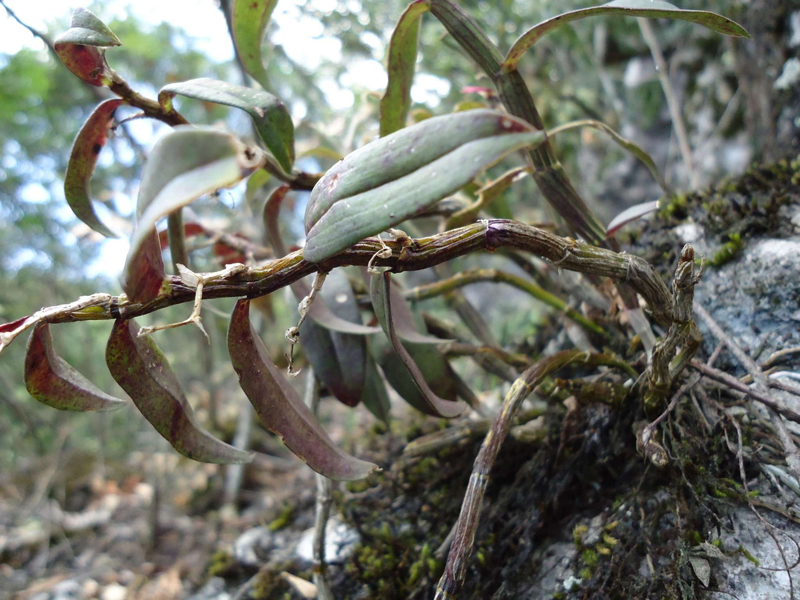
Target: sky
(297, 32)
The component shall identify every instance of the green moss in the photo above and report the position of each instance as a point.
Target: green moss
(284, 518)
(220, 562)
(748, 556)
(728, 251)
(577, 534)
(675, 207)
(590, 557)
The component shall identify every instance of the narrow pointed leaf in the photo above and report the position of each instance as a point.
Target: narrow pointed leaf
(376, 398)
(144, 271)
(653, 9)
(380, 293)
(269, 114)
(52, 381)
(82, 47)
(339, 359)
(184, 165)
(395, 177)
(401, 62)
(249, 19)
(629, 215)
(622, 142)
(280, 408)
(85, 151)
(319, 310)
(142, 370)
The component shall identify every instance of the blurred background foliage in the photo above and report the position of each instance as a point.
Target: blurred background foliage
(598, 69)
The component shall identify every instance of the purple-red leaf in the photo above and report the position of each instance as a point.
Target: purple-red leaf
(279, 406)
(142, 370)
(380, 293)
(52, 381)
(144, 272)
(319, 311)
(82, 47)
(90, 141)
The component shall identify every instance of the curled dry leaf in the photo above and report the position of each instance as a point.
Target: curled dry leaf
(82, 47)
(402, 58)
(52, 381)
(142, 370)
(83, 158)
(184, 165)
(269, 114)
(249, 20)
(654, 9)
(381, 295)
(402, 174)
(279, 406)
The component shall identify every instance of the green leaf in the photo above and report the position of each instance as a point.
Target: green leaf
(184, 165)
(654, 9)
(380, 294)
(395, 177)
(376, 398)
(52, 381)
(396, 102)
(142, 370)
(82, 47)
(85, 151)
(269, 114)
(279, 406)
(249, 20)
(622, 142)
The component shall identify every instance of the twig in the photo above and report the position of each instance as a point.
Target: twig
(241, 440)
(420, 253)
(672, 101)
(733, 383)
(776, 357)
(468, 520)
(762, 385)
(323, 506)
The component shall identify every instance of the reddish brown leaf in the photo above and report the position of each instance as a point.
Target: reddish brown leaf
(144, 272)
(52, 381)
(279, 406)
(82, 47)
(90, 141)
(142, 370)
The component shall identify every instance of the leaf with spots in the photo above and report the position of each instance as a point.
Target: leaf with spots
(269, 114)
(401, 61)
(249, 20)
(280, 407)
(83, 158)
(141, 369)
(82, 47)
(397, 176)
(186, 164)
(52, 381)
(653, 9)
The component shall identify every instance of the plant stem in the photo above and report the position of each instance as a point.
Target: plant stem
(323, 506)
(481, 275)
(467, 525)
(407, 255)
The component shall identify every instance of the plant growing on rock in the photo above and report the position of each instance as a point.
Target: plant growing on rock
(382, 186)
